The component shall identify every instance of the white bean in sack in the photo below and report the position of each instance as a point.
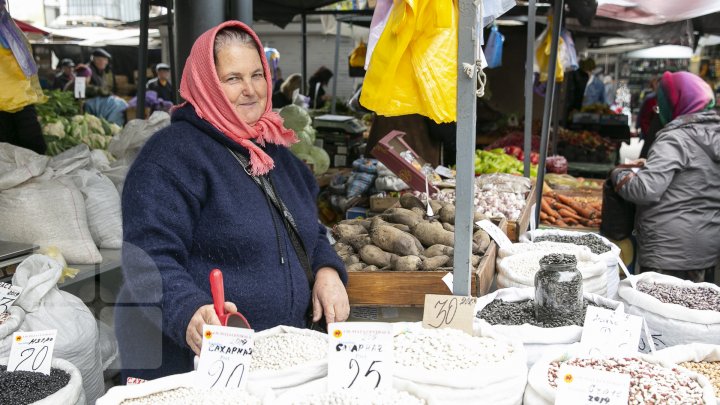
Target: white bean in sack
(447, 349)
(194, 396)
(284, 350)
(379, 397)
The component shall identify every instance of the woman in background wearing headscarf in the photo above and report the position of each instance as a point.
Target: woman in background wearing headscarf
(677, 191)
(190, 205)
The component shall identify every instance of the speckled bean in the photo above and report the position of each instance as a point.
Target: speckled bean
(701, 298)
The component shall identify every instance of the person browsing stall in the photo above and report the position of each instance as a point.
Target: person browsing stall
(162, 84)
(191, 205)
(677, 191)
(65, 76)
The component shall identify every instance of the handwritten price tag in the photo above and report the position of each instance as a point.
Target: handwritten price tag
(79, 89)
(32, 351)
(607, 332)
(586, 386)
(449, 311)
(8, 294)
(360, 356)
(225, 357)
(496, 233)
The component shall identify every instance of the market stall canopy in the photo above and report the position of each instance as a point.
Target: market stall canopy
(653, 12)
(662, 52)
(282, 12)
(29, 29)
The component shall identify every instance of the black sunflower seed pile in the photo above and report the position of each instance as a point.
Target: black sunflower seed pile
(590, 240)
(25, 387)
(501, 312)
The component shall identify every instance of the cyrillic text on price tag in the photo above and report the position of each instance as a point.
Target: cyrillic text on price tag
(225, 357)
(449, 311)
(32, 351)
(496, 233)
(607, 332)
(586, 386)
(8, 294)
(360, 356)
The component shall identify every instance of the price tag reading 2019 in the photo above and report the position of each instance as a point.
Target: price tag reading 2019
(8, 294)
(225, 357)
(449, 311)
(585, 386)
(32, 351)
(360, 355)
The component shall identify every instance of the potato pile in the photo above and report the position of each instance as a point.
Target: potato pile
(405, 239)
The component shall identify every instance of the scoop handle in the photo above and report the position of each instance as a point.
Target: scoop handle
(218, 292)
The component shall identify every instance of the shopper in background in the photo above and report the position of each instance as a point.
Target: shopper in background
(285, 96)
(595, 89)
(648, 120)
(316, 90)
(65, 75)
(576, 83)
(20, 88)
(162, 84)
(677, 192)
(189, 206)
(102, 82)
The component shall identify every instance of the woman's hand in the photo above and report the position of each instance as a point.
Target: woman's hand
(329, 297)
(204, 315)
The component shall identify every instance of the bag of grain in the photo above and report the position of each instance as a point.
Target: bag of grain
(536, 339)
(653, 381)
(600, 245)
(316, 393)
(457, 368)
(70, 394)
(13, 318)
(698, 357)
(676, 311)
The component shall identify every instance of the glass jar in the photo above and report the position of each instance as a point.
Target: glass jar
(558, 288)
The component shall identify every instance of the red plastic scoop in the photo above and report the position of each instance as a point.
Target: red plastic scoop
(233, 319)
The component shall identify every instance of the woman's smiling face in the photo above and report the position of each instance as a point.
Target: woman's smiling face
(242, 79)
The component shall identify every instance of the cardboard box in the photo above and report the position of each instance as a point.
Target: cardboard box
(356, 212)
(388, 152)
(380, 204)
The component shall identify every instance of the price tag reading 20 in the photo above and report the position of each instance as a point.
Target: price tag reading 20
(225, 357)
(360, 356)
(32, 351)
(449, 311)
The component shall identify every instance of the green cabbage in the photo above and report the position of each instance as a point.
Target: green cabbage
(321, 158)
(295, 117)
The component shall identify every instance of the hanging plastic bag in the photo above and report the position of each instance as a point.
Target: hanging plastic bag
(17, 90)
(356, 60)
(377, 26)
(494, 48)
(542, 54)
(407, 74)
(570, 52)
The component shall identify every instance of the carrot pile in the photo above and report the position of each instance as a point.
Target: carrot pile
(564, 211)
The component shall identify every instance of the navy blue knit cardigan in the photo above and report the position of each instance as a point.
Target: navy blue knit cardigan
(189, 207)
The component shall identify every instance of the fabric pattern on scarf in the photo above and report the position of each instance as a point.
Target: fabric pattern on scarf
(200, 86)
(682, 93)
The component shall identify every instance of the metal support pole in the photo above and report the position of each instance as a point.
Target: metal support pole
(303, 17)
(549, 95)
(529, 58)
(555, 118)
(174, 74)
(242, 10)
(192, 19)
(335, 65)
(469, 32)
(142, 57)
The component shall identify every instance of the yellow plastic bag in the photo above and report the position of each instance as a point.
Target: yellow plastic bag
(542, 55)
(17, 91)
(413, 69)
(357, 56)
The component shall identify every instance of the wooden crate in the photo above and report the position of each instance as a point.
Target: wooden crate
(516, 228)
(408, 288)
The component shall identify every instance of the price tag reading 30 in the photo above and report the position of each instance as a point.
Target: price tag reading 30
(360, 356)
(8, 294)
(32, 351)
(585, 386)
(607, 332)
(225, 357)
(449, 311)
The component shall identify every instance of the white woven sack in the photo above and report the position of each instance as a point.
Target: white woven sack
(694, 352)
(545, 247)
(293, 376)
(18, 165)
(128, 142)
(611, 257)
(102, 203)
(536, 340)
(46, 307)
(670, 324)
(498, 383)
(539, 391)
(108, 343)
(590, 266)
(71, 394)
(118, 394)
(10, 326)
(71, 160)
(48, 213)
(301, 392)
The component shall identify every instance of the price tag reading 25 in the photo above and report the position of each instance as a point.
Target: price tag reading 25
(225, 357)
(449, 311)
(360, 356)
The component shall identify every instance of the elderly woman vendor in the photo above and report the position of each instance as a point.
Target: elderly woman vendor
(190, 206)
